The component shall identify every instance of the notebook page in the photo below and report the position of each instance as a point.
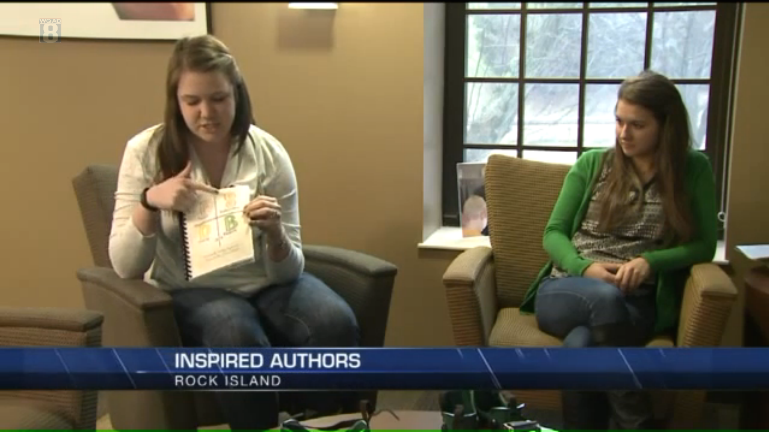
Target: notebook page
(218, 234)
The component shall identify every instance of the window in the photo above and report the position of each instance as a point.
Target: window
(539, 80)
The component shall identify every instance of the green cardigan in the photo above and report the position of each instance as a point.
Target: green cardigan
(672, 265)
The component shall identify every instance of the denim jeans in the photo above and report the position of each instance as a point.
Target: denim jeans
(586, 312)
(305, 313)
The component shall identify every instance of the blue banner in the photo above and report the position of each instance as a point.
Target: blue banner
(384, 368)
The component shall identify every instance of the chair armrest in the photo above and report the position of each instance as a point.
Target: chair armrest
(51, 327)
(134, 292)
(136, 313)
(363, 281)
(73, 320)
(709, 296)
(357, 262)
(471, 295)
(56, 327)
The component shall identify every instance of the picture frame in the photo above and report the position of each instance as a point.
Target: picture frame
(56, 22)
(473, 215)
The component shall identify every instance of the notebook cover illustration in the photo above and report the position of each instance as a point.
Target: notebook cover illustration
(216, 233)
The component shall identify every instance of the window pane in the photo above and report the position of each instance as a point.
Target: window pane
(618, 5)
(492, 113)
(666, 4)
(682, 45)
(696, 98)
(615, 47)
(493, 45)
(550, 116)
(494, 5)
(559, 157)
(553, 45)
(562, 5)
(481, 155)
(600, 100)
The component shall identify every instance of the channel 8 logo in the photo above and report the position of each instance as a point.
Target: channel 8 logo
(50, 30)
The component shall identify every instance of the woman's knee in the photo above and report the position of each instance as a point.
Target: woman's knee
(563, 304)
(215, 318)
(328, 319)
(338, 330)
(235, 331)
(606, 295)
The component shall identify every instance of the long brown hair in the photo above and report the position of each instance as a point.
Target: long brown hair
(197, 54)
(659, 95)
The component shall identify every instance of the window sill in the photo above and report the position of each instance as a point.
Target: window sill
(450, 238)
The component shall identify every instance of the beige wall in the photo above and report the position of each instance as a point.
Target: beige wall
(343, 91)
(748, 205)
(346, 96)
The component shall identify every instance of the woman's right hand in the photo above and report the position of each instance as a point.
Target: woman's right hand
(178, 192)
(603, 271)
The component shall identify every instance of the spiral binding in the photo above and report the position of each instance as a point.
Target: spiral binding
(185, 247)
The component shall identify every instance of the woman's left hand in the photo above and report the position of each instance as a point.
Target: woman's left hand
(631, 274)
(264, 212)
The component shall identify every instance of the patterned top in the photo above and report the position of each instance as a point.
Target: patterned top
(640, 233)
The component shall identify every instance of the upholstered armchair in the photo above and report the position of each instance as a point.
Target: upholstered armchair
(140, 315)
(49, 327)
(485, 286)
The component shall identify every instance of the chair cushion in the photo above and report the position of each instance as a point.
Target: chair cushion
(515, 330)
(19, 416)
(520, 195)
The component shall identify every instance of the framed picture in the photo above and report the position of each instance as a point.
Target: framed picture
(54, 22)
(472, 198)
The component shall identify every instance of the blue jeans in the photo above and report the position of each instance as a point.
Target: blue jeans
(305, 313)
(586, 312)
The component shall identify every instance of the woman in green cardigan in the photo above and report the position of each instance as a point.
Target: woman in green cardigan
(629, 223)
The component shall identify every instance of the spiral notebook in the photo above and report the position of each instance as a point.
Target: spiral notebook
(216, 234)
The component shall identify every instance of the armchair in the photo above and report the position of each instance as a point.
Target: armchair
(48, 327)
(140, 315)
(485, 286)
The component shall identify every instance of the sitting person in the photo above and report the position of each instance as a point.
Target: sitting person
(629, 223)
(207, 141)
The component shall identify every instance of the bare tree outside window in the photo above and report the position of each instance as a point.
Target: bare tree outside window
(540, 80)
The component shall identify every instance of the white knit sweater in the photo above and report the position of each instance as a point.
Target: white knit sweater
(263, 164)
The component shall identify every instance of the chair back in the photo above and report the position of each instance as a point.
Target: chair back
(95, 192)
(520, 196)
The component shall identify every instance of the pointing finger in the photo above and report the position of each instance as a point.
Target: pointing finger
(186, 171)
(202, 187)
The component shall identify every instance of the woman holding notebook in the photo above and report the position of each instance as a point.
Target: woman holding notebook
(207, 143)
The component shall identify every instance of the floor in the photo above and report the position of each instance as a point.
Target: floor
(717, 416)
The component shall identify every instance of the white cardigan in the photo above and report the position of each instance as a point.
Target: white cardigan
(263, 164)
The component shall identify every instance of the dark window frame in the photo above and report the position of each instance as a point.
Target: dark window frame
(719, 108)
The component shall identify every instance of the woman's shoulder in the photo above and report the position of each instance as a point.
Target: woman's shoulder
(595, 155)
(697, 163)
(697, 159)
(591, 160)
(266, 144)
(142, 145)
(145, 137)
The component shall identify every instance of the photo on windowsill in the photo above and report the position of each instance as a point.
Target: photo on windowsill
(472, 199)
